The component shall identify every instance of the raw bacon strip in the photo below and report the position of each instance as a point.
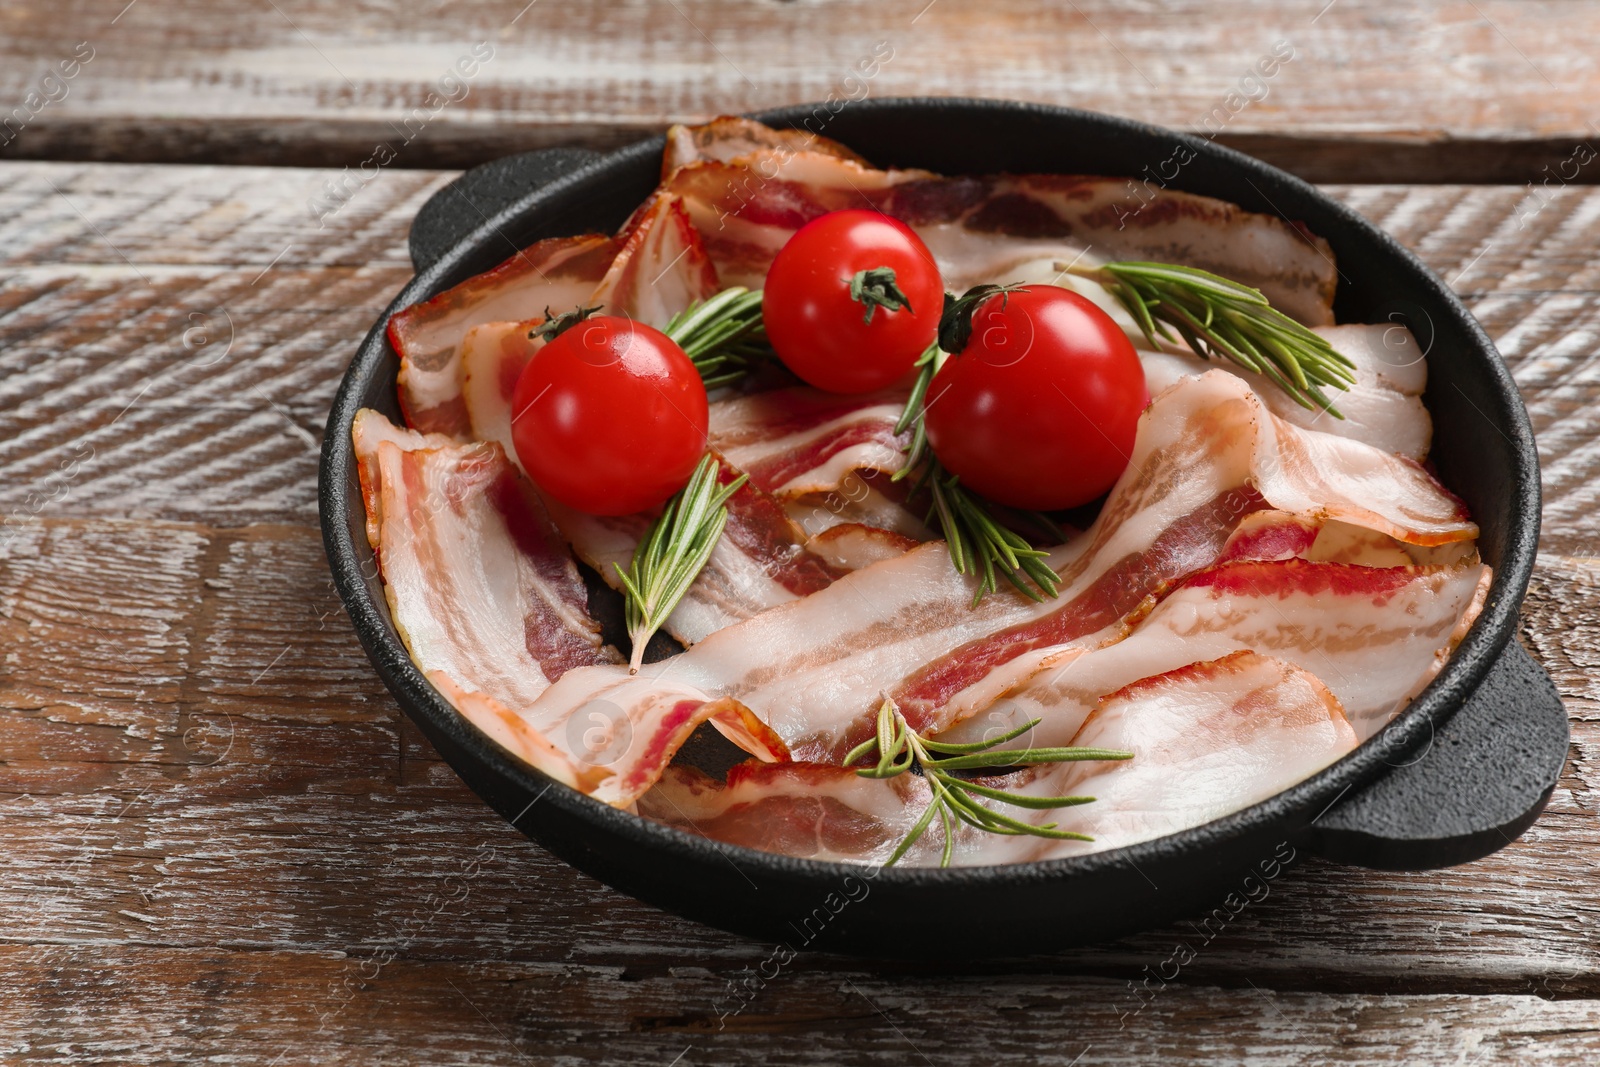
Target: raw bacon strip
(862, 499)
(662, 268)
(1231, 457)
(1384, 408)
(1207, 454)
(488, 602)
(493, 356)
(1265, 535)
(630, 729)
(480, 585)
(761, 560)
(797, 809)
(727, 137)
(558, 272)
(801, 440)
(368, 431)
(1208, 739)
(981, 227)
(851, 546)
(1375, 636)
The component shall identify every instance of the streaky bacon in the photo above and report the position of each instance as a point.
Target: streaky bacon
(1271, 534)
(493, 356)
(654, 269)
(558, 272)
(863, 498)
(1245, 459)
(851, 546)
(1375, 636)
(981, 227)
(802, 440)
(1207, 454)
(662, 267)
(762, 559)
(1383, 408)
(1208, 739)
(810, 810)
(728, 137)
(494, 626)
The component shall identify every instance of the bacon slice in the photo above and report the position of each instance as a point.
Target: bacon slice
(480, 587)
(728, 137)
(1208, 739)
(863, 498)
(762, 560)
(1207, 454)
(1375, 636)
(558, 272)
(801, 440)
(655, 269)
(1383, 408)
(1228, 456)
(491, 608)
(797, 809)
(981, 227)
(662, 268)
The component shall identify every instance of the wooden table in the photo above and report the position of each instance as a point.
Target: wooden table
(222, 841)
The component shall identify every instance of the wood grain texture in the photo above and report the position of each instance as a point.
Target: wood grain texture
(224, 841)
(1377, 90)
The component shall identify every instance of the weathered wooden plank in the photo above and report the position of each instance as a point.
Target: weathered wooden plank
(1373, 89)
(138, 1006)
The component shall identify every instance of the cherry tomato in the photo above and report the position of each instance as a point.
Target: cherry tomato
(821, 332)
(1039, 410)
(609, 417)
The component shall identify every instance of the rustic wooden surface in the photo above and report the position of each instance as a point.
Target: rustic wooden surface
(222, 842)
(1377, 90)
(223, 839)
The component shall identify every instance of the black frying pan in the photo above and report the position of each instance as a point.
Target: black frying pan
(1461, 772)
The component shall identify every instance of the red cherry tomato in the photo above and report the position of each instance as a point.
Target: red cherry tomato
(609, 417)
(816, 326)
(1039, 410)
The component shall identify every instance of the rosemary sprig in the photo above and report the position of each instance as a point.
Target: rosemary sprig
(899, 749)
(723, 335)
(1221, 318)
(978, 541)
(672, 553)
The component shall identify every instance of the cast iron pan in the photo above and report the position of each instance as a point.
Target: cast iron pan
(1465, 769)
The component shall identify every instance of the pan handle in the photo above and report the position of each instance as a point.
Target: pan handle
(1479, 782)
(462, 206)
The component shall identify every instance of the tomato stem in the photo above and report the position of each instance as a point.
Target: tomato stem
(876, 288)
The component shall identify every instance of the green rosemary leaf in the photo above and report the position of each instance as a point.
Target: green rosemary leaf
(722, 335)
(980, 545)
(1219, 318)
(978, 746)
(1025, 757)
(673, 552)
(955, 800)
(1017, 800)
